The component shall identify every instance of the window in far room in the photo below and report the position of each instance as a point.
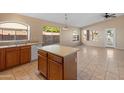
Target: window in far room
(86, 35)
(89, 35)
(75, 36)
(94, 35)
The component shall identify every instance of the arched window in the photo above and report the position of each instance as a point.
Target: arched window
(14, 31)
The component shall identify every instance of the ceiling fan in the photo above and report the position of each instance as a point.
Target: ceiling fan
(109, 15)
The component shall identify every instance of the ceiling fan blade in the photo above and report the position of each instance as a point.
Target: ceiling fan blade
(109, 15)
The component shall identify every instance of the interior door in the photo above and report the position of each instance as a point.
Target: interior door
(110, 36)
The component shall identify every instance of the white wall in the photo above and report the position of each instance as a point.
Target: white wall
(66, 37)
(117, 23)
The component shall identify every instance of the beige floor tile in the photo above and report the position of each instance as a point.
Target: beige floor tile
(84, 76)
(109, 63)
(99, 74)
(7, 77)
(24, 72)
(111, 76)
(93, 63)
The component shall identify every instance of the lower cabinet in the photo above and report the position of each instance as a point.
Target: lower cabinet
(55, 67)
(25, 54)
(54, 70)
(2, 59)
(12, 56)
(42, 65)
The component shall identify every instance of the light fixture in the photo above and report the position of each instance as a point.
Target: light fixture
(66, 19)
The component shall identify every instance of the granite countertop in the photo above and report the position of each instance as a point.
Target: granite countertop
(59, 50)
(17, 45)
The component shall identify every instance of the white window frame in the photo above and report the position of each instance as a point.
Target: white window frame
(28, 31)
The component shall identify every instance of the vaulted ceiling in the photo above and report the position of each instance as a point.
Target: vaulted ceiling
(74, 19)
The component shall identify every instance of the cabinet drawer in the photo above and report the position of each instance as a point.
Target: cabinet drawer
(54, 57)
(43, 53)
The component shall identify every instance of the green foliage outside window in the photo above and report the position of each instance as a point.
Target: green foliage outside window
(53, 29)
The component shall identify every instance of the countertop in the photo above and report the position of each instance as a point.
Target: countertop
(59, 50)
(17, 45)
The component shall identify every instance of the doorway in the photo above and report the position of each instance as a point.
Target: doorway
(110, 40)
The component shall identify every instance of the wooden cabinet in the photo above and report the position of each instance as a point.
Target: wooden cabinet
(42, 65)
(54, 70)
(2, 59)
(12, 56)
(43, 53)
(55, 67)
(25, 54)
(55, 58)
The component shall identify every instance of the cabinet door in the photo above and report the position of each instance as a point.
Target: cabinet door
(54, 70)
(12, 57)
(42, 65)
(25, 54)
(2, 59)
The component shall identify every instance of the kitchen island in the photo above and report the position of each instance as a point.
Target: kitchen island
(58, 62)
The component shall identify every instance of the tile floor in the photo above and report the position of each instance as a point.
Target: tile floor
(93, 64)
(24, 72)
(100, 63)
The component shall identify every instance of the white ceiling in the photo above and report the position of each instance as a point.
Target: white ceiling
(74, 19)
